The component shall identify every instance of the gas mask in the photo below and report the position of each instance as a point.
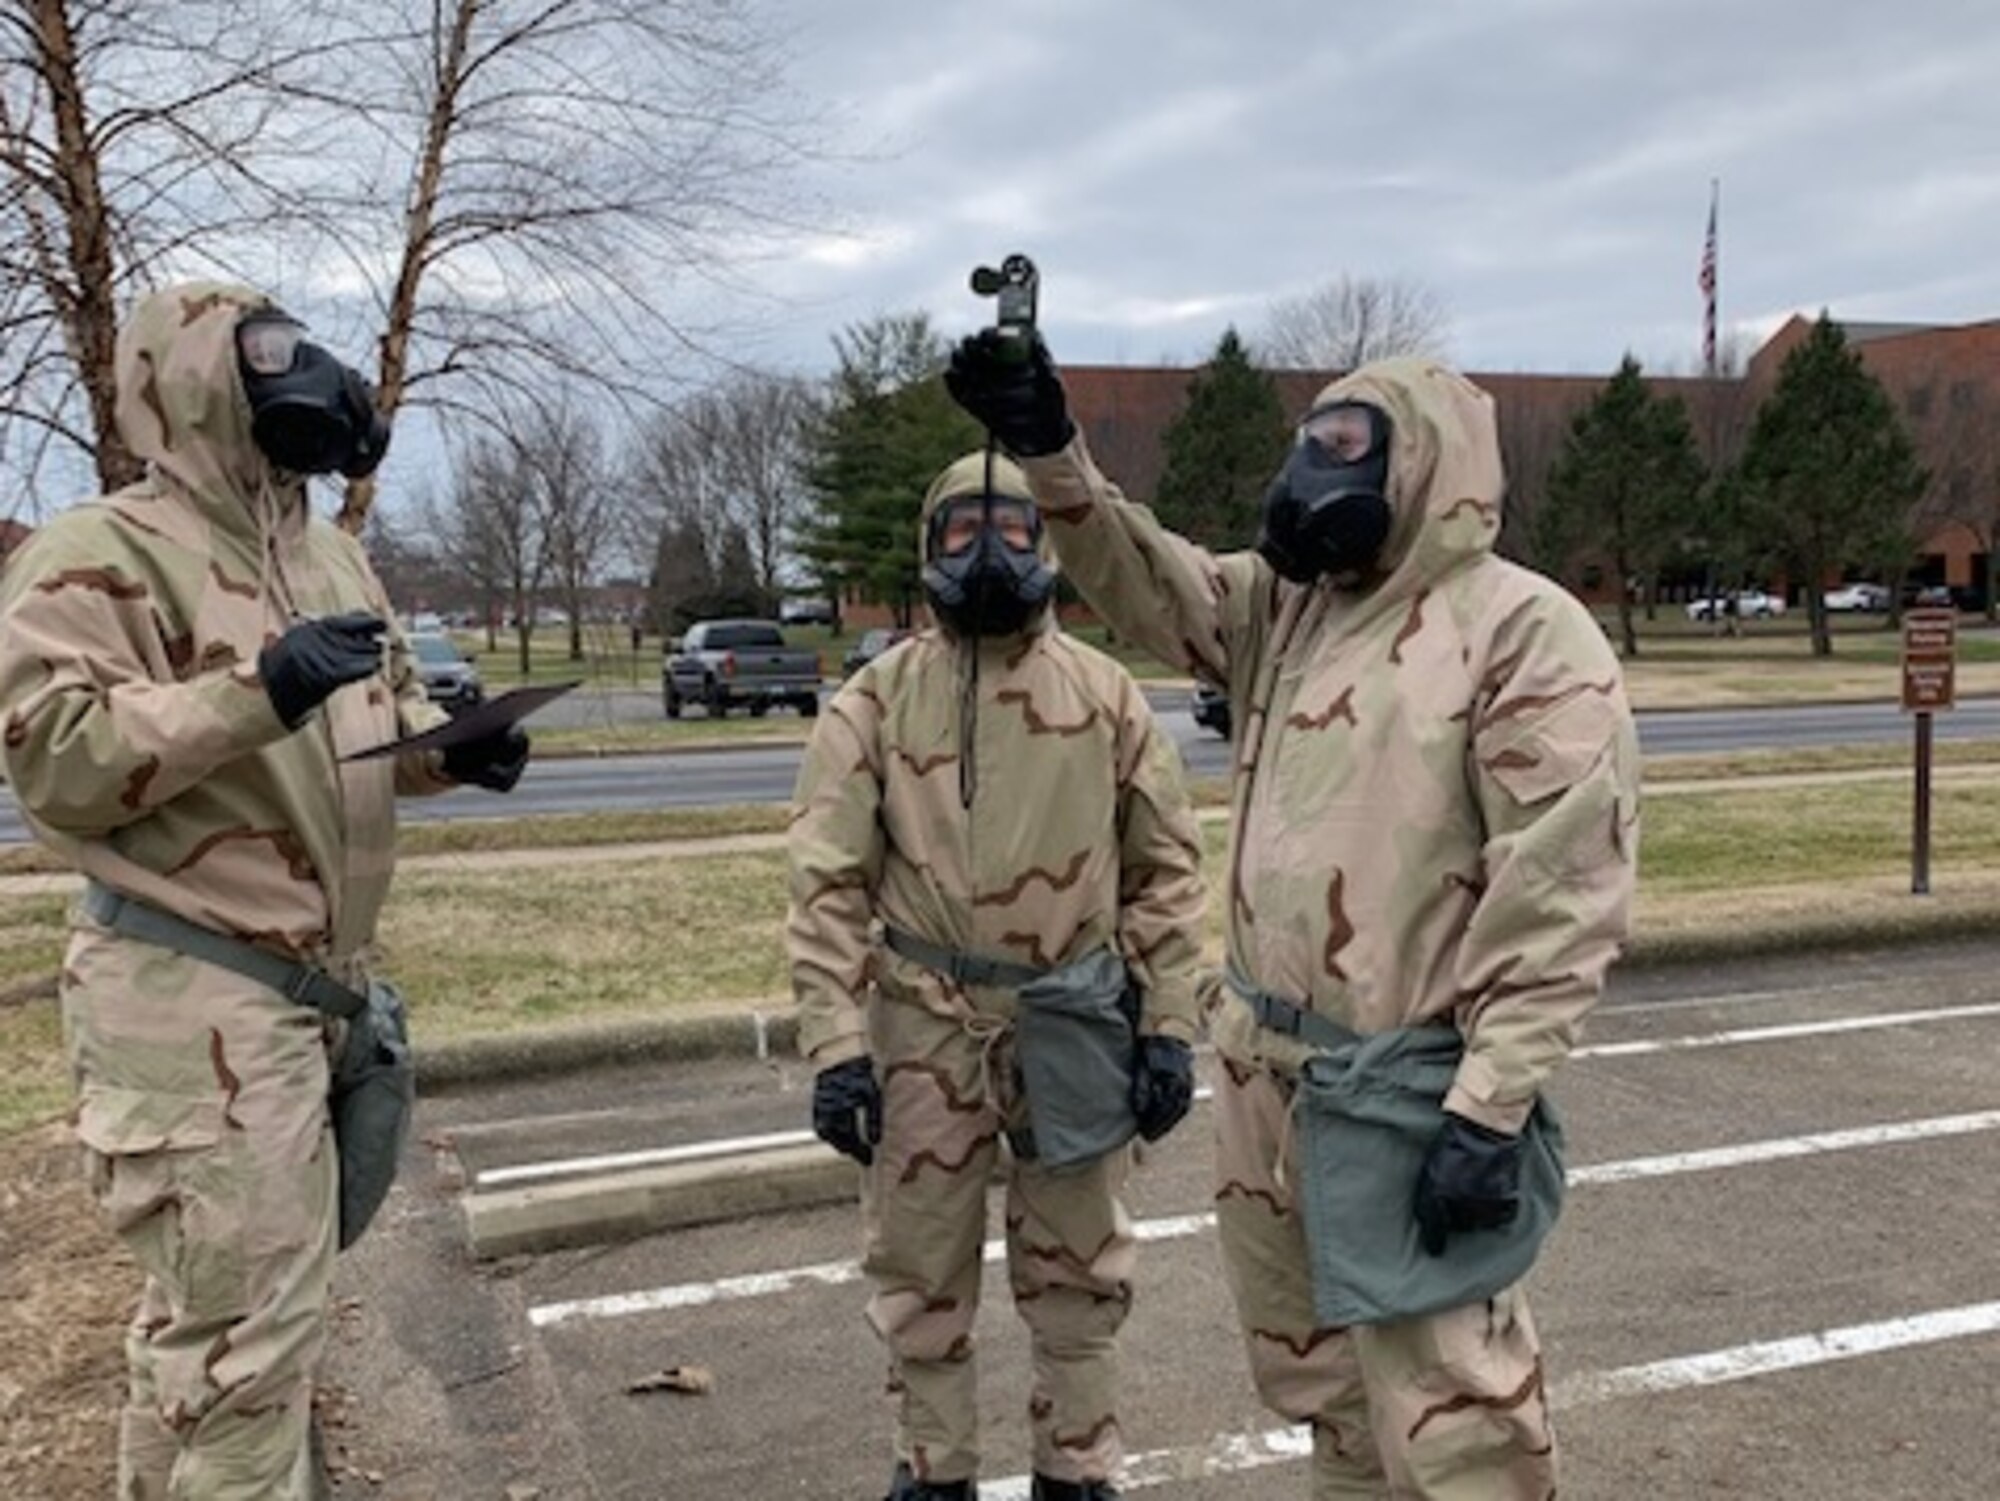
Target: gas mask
(983, 573)
(1327, 513)
(309, 414)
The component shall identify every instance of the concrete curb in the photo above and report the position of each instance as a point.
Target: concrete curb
(759, 1033)
(618, 1206)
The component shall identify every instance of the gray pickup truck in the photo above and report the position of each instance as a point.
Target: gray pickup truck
(724, 664)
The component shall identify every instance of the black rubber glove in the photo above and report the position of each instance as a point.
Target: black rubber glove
(1019, 401)
(494, 761)
(1470, 1181)
(1162, 1085)
(847, 1109)
(315, 657)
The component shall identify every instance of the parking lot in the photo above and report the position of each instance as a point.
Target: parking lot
(1776, 1277)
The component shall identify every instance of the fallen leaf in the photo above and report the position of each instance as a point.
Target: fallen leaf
(695, 1380)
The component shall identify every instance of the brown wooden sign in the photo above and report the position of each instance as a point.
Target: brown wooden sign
(1930, 659)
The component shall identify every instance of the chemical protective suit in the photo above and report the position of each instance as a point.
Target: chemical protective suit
(172, 662)
(1435, 832)
(993, 797)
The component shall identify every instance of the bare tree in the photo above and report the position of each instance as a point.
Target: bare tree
(503, 194)
(561, 458)
(135, 137)
(1350, 321)
(565, 165)
(1957, 422)
(490, 526)
(732, 456)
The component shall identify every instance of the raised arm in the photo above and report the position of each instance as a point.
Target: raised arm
(1187, 607)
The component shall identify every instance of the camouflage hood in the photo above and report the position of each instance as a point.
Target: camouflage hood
(1445, 481)
(181, 405)
(139, 739)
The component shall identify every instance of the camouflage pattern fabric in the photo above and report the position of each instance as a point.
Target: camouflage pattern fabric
(1435, 816)
(142, 747)
(1012, 798)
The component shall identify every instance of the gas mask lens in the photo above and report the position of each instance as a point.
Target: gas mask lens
(960, 522)
(268, 343)
(1348, 431)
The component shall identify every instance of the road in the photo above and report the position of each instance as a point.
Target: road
(765, 775)
(1776, 1278)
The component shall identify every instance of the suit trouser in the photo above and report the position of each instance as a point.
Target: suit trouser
(1070, 1256)
(203, 1118)
(1450, 1407)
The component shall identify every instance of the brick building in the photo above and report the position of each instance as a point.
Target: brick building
(1944, 380)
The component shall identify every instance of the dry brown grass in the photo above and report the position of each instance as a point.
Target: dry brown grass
(62, 1381)
(1813, 759)
(1774, 671)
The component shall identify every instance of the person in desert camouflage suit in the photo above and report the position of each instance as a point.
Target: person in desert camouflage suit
(996, 789)
(1434, 822)
(172, 662)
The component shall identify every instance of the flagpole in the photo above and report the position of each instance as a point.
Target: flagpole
(1710, 273)
(1707, 282)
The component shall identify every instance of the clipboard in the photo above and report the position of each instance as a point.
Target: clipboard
(483, 719)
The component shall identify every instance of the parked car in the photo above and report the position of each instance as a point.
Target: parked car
(1942, 597)
(1211, 708)
(722, 664)
(448, 675)
(806, 612)
(1857, 598)
(1751, 604)
(868, 647)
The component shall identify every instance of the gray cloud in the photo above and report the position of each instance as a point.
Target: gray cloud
(1543, 165)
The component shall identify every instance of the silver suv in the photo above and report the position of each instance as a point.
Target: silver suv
(448, 676)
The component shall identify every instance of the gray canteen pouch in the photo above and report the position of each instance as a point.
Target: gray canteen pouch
(374, 1090)
(1074, 1039)
(1366, 1122)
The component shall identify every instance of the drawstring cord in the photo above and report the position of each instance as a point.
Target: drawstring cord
(989, 1032)
(1281, 1161)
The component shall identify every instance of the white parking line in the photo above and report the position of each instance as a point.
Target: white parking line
(1781, 1148)
(1611, 1012)
(1177, 1227)
(1783, 1033)
(1232, 1453)
(772, 1141)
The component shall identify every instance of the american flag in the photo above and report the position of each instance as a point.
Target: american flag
(1706, 281)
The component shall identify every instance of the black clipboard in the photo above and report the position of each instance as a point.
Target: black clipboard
(476, 723)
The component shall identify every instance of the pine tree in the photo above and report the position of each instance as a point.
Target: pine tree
(683, 578)
(1222, 450)
(885, 431)
(737, 590)
(1829, 474)
(1624, 488)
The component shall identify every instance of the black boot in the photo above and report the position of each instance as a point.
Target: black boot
(1046, 1489)
(903, 1486)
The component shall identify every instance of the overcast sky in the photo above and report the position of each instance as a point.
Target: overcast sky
(1542, 165)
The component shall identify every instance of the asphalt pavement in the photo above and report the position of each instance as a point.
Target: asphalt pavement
(765, 774)
(1776, 1278)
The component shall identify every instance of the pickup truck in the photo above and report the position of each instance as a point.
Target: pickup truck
(721, 664)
